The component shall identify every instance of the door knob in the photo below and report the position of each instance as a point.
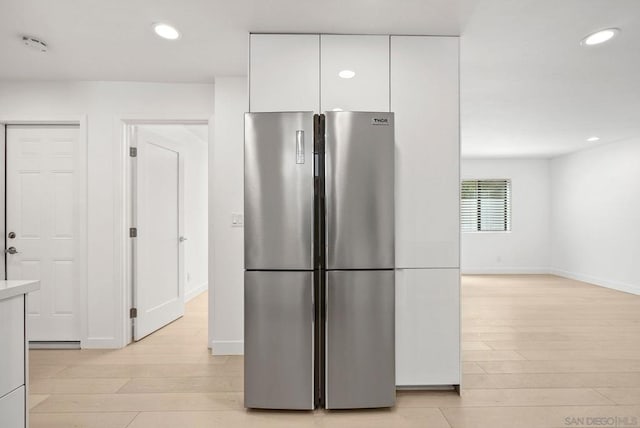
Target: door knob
(182, 239)
(11, 250)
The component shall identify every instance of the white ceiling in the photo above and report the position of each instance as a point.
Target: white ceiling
(528, 88)
(113, 39)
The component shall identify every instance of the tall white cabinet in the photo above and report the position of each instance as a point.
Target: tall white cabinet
(425, 99)
(416, 77)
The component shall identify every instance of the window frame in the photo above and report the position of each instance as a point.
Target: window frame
(509, 219)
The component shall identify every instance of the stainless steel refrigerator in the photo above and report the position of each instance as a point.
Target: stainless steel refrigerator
(319, 260)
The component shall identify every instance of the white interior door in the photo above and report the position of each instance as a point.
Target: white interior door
(158, 268)
(42, 233)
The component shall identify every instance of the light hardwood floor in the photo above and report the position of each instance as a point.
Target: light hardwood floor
(536, 351)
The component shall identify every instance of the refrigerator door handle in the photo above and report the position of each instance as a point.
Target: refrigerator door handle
(299, 146)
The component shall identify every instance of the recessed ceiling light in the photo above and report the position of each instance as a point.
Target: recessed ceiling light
(34, 43)
(337, 109)
(347, 74)
(600, 37)
(593, 139)
(166, 31)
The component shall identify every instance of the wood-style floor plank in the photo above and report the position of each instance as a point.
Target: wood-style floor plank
(81, 420)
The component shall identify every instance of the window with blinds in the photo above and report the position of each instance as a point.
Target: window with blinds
(486, 205)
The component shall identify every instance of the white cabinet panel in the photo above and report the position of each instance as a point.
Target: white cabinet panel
(368, 58)
(12, 409)
(12, 344)
(427, 327)
(284, 73)
(425, 100)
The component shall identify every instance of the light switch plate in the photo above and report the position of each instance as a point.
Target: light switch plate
(237, 220)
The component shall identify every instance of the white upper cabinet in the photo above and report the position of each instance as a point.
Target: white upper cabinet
(284, 72)
(425, 99)
(354, 73)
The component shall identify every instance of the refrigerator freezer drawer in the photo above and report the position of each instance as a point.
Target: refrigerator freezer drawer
(278, 361)
(278, 190)
(360, 339)
(359, 161)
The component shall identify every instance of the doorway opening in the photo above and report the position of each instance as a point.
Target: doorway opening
(167, 219)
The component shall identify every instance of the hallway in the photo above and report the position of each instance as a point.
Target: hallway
(538, 351)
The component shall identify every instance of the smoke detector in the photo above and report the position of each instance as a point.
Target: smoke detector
(34, 43)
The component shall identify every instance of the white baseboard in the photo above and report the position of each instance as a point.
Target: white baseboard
(227, 347)
(196, 291)
(615, 285)
(505, 271)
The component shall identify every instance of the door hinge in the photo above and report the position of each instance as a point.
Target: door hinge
(133, 232)
(133, 313)
(133, 152)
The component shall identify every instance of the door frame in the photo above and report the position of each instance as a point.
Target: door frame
(82, 179)
(123, 204)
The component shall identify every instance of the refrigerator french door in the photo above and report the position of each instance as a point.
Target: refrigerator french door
(360, 260)
(319, 260)
(278, 287)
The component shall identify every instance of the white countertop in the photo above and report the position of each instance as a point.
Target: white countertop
(15, 288)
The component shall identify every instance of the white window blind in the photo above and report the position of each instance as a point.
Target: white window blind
(486, 205)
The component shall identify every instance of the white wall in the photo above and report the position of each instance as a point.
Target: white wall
(197, 218)
(595, 202)
(193, 142)
(526, 248)
(103, 102)
(226, 243)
